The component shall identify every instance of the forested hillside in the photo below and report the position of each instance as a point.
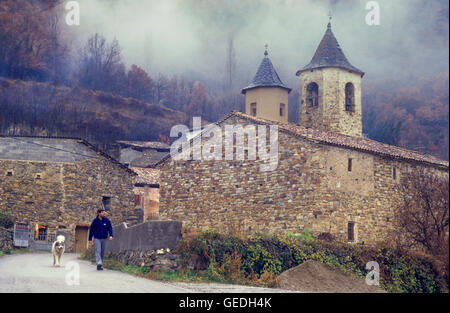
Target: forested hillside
(54, 85)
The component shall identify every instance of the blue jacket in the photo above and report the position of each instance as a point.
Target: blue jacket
(100, 228)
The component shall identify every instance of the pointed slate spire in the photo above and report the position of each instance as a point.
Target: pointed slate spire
(266, 76)
(329, 54)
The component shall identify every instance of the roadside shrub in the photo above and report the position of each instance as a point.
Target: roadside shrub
(259, 260)
(6, 220)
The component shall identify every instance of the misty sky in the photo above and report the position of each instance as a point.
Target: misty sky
(190, 36)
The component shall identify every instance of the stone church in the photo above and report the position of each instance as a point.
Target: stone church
(329, 178)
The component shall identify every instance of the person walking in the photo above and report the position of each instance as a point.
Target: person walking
(100, 229)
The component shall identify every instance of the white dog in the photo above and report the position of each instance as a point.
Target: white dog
(58, 248)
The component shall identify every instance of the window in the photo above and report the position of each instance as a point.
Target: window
(351, 231)
(40, 232)
(9, 173)
(394, 173)
(312, 94)
(106, 203)
(349, 165)
(282, 108)
(38, 176)
(137, 200)
(253, 109)
(349, 97)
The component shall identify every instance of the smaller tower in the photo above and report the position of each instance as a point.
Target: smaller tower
(330, 90)
(266, 96)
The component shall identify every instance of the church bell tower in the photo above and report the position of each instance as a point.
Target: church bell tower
(330, 90)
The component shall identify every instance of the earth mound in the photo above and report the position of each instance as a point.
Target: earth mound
(313, 276)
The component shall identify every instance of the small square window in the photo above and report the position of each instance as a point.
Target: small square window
(38, 176)
(9, 173)
(106, 203)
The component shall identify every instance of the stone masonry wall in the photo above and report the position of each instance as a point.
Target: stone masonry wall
(330, 114)
(66, 195)
(310, 189)
(149, 244)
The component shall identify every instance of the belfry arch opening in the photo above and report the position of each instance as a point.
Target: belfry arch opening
(312, 94)
(349, 97)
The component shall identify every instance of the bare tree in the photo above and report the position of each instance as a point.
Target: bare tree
(423, 216)
(100, 64)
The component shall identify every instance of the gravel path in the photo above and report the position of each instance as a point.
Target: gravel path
(34, 272)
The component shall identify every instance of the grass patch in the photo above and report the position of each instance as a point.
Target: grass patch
(14, 251)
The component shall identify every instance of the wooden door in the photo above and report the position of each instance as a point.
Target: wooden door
(81, 237)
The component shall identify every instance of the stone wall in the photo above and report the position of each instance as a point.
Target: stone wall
(149, 244)
(6, 239)
(65, 195)
(330, 114)
(310, 189)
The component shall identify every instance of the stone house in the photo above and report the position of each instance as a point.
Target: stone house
(328, 178)
(140, 156)
(57, 185)
(146, 192)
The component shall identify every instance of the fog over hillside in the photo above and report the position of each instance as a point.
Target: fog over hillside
(192, 36)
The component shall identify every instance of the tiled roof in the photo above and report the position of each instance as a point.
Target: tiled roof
(50, 149)
(336, 139)
(266, 76)
(340, 140)
(329, 54)
(148, 158)
(44, 149)
(145, 144)
(147, 176)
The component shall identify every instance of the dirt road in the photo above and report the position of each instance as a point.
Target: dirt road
(34, 272)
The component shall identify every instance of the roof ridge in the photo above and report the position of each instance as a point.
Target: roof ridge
(337, 139)
(315, 135)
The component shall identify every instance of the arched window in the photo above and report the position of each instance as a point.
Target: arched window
(349, 97)
(312, 94)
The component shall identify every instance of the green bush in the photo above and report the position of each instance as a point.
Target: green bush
(6, 220)
(400, 271)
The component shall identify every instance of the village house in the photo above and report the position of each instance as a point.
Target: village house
(140, 156)
(52, 185)
(328, 179)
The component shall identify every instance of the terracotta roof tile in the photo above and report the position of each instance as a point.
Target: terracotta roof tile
(336, 139)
